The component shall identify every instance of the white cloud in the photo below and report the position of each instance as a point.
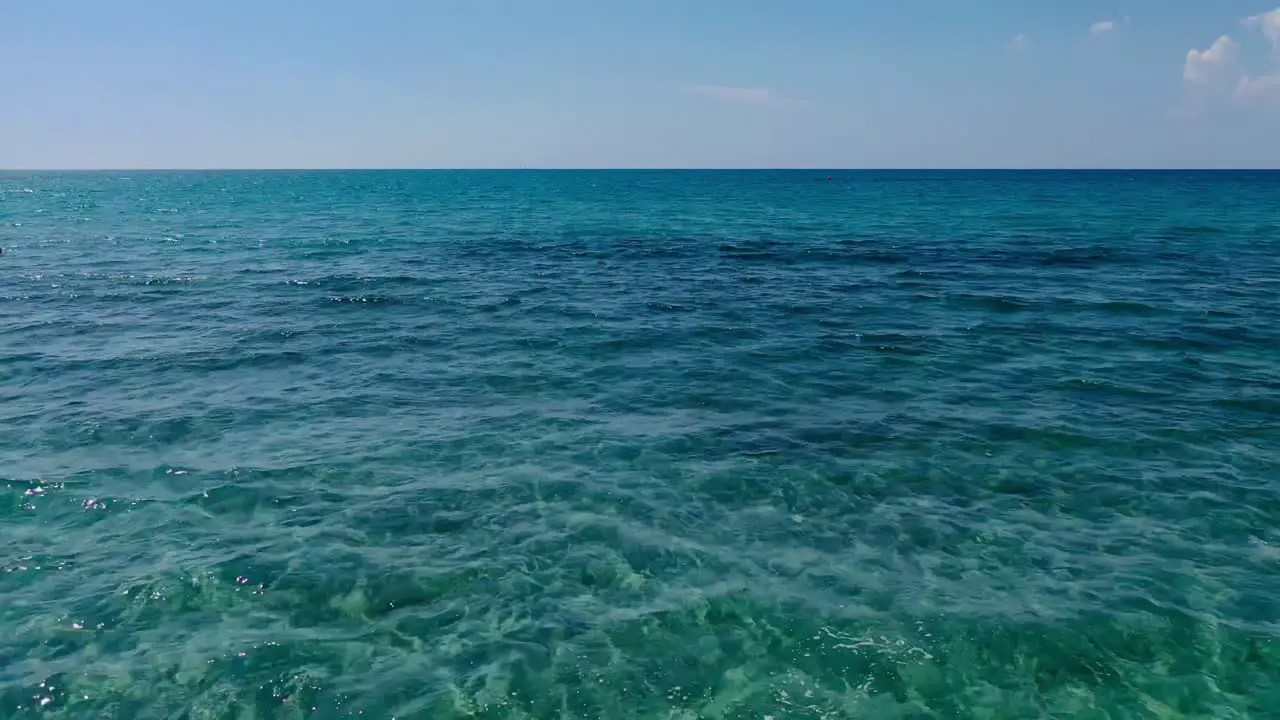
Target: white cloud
(1258, 89)
(1218, 73)
(1217, 70)
(1102, 27)
(1021, 41)
(1269, 23)
(1203, 66)
(759, 97)
(735, 94)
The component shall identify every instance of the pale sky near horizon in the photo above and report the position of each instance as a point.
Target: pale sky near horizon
(639, 83)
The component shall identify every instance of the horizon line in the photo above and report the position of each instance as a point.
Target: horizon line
(1103, 168)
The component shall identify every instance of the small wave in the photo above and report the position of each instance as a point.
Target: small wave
(1103, 387)
(749, 246)
(1267, 406)
(893, 342)
(1177, 232)
(660, 251)
(803, 310)
(362, 299)
(920, 274)
(741, 252)
(756, 256)
(856, 257)
(175, 280)
(1125, 307)
(503, 303)
(667, 307)
(999, 303)
(350, 285)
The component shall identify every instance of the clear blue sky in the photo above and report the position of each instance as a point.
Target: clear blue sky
(638, 83)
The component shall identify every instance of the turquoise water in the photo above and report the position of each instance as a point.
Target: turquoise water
(640, 444)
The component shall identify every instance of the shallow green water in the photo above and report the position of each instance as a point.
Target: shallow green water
(650, 445)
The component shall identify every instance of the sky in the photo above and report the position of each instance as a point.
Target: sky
(639, 83)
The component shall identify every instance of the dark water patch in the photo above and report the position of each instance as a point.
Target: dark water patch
(1190, 232)
(656, 247)
(994, 303)
(737, 253)
(868, 256)
(1125, 307)
(1082, 257)
(1264, 406)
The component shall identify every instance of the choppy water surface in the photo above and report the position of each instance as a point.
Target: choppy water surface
(650, 445)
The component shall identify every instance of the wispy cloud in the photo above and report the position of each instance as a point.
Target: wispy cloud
(1021, 42)
(759, 97)
(735, 94)
(1102, 27)
(1269, 24)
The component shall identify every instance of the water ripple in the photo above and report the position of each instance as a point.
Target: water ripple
(639, 445)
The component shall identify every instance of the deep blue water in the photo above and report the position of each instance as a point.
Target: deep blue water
(640, 444)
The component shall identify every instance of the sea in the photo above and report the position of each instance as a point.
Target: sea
(640, 444)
